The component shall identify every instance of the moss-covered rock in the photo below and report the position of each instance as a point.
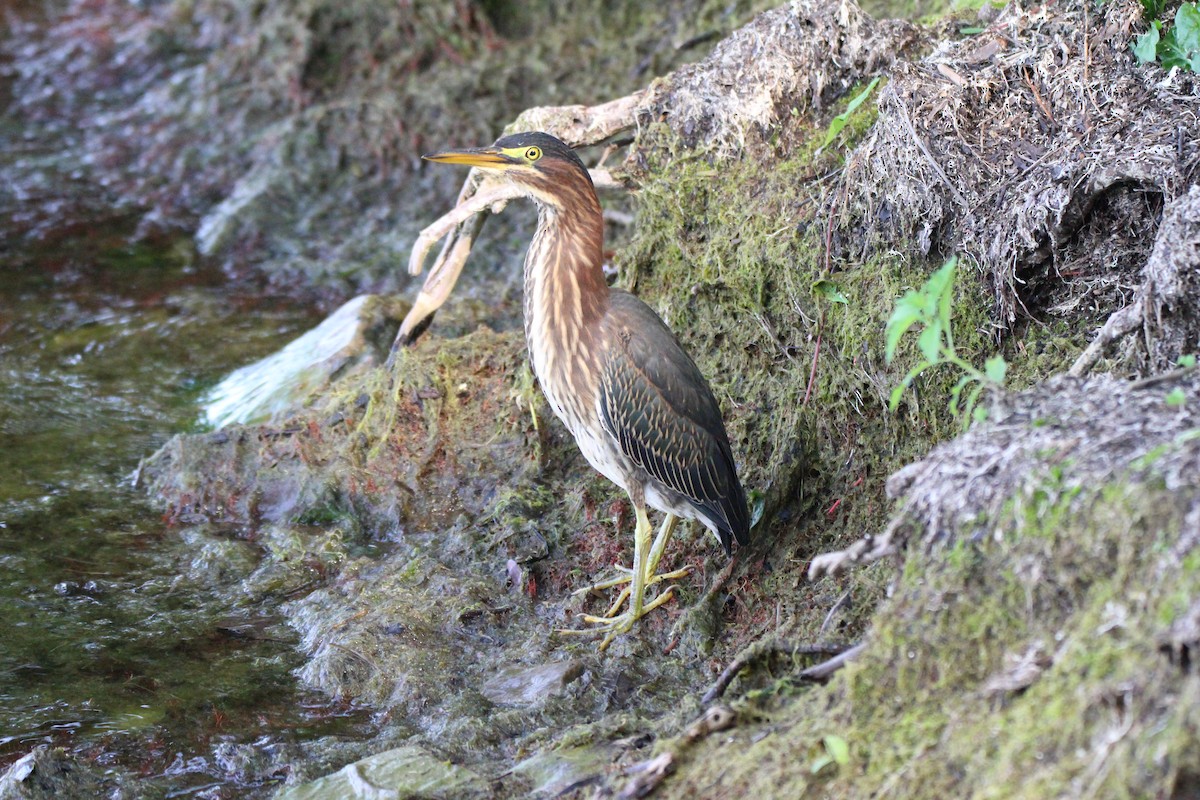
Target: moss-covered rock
(1022, 651)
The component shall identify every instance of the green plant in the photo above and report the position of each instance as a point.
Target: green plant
(839, 122)
(830, 291)
(931, 307)
(1178, 46)
(837, 751)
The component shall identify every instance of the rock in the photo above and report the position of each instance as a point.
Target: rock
(359, 333)
(49, 773)
(405, 772)
(551, 773)
(530, 686)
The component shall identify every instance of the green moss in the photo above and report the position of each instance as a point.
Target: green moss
(729, 255)
(1085, 576)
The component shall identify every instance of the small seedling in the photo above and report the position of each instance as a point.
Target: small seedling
(837, 751)
(839, 122)
(1176, 398)
(830, 291)
(931, 308)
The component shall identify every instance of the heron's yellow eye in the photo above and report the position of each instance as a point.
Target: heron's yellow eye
(533, 154)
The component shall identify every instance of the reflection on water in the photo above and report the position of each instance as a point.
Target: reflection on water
(116, 639)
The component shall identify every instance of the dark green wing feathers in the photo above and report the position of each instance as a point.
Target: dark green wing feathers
(658, 406)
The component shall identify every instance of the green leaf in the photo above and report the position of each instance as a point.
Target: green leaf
(861, 97)
(839, 122)
(1188, 361)
(906, 312)
(942, 284)
(939, 279)
(1145, 49)
(830, 291)
(894, 399)
(1153, 8)
(930, 342)
(996, 368)
(895, 329)
(1180, 46)
(1187, 26)
(838, 749)
(835, 127)
(970, 31)
(1176, 397)
(978, 413)
(956, 392)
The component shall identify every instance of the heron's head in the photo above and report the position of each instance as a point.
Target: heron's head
(543, 165)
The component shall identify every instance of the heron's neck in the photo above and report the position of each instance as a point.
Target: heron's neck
(565, 292)
(564, 277)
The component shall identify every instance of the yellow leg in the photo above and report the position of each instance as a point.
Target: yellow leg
(660, 544)
(656, 552)
(645, 559)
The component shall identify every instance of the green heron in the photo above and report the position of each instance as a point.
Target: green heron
(637, 405)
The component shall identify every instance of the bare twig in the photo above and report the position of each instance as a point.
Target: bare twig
(812, 372)
(647, 776)
(864, 551)
(460, 226)
(1037, 97)
(823, 671)
(842, 603)
(1119, 324)
(493, 199)
(575, 125)
(1165, 377)
(771, 646)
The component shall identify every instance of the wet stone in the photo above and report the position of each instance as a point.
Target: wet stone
(553, 772)
(48, 773)
(359, 333)
(404, 772)
(522, 686)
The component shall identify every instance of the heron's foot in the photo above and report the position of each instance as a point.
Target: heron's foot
(627, 576)
(683, 572)
(612, 625)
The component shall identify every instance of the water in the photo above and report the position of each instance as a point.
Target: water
(116, 639)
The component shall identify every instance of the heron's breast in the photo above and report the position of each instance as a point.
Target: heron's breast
(566, 345)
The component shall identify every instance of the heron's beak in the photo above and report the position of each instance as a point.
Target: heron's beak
(482, 157)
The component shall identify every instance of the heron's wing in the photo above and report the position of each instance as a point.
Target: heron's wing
(657, 405)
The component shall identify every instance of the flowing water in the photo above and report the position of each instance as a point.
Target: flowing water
(117, 639)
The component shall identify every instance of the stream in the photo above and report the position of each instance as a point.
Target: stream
(123, 639)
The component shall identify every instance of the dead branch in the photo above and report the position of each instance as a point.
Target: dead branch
(770, 646)
(578, 126)
(864, 551)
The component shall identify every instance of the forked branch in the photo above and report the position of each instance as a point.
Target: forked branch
(578, 126)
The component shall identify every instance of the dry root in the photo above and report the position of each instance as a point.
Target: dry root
(578, 126)
(1166, 307)
(1038, 148)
